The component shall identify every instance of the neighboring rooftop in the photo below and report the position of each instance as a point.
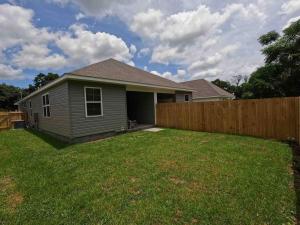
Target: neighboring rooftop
(206, 89)
(115, 70)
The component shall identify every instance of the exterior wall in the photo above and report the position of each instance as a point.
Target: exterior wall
(59, 120)
(67, 109)
(180, 96)
(114, 116)
(210, 99)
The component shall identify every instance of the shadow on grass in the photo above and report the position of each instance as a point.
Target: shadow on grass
(54, 142)
(296, 168)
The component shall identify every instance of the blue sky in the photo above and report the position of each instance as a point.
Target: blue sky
(179, 40)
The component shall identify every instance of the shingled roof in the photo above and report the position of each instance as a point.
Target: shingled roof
(206, 89)
(112, 69)
(115, 72)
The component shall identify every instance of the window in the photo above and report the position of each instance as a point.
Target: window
(186, 98)
(46, 105)
(93, 101)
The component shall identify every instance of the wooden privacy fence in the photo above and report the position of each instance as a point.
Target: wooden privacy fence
(277, 118)
(7, 118)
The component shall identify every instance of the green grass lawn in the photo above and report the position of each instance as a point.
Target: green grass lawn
(168, 177)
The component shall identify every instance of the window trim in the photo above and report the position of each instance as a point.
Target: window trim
(85, 101)
(188, 97)
(44, 106)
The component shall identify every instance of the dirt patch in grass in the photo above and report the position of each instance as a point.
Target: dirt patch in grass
(194, 187)
(6, 183)
(184, 139)
(173, 165)
(14, 200)
(177, 180)
(13, 197)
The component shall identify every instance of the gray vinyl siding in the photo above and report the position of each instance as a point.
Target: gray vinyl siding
(114, 110)
(59, 120)
(180, 96)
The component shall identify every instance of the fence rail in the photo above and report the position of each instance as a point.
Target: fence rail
(277, 118)
(7, 119)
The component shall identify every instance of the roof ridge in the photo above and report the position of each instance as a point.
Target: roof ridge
(218, 89)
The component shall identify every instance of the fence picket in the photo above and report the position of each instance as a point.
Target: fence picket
(277, 118)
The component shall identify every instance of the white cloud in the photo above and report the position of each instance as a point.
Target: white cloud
(206, 63)
(132, 49)
(184, 27)
(79, 16)
(290, 7)
(290, 21)
(195, 39)
(144, 52)
(38, 57)
(29, 46)
(209, 74)
(84, 47)
(96, 8)
(180, 76)
(165, 54)
(148, 24)
(9, 73)
(207, 39)
(17, 24)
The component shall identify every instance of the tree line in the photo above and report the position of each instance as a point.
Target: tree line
(10, 94)
(279, 76)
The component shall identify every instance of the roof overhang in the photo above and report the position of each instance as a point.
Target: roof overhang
(94, 79)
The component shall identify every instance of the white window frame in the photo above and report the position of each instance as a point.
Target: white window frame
(85, 101)
(48, 105)
(188, 97)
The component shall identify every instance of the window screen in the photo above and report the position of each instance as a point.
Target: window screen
(93, 101)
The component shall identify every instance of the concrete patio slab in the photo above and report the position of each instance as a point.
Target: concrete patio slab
(154, 129)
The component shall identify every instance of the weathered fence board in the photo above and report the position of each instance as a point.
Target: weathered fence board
(7, 118)
(277, 118)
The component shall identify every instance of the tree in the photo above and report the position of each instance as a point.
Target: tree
(42, 79)
(226, 85)
(281, 73)
(280, 76)
(268, 38)
(8, 96)
(236, 86)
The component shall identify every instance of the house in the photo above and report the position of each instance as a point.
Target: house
(206, 91)
(99, 99)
